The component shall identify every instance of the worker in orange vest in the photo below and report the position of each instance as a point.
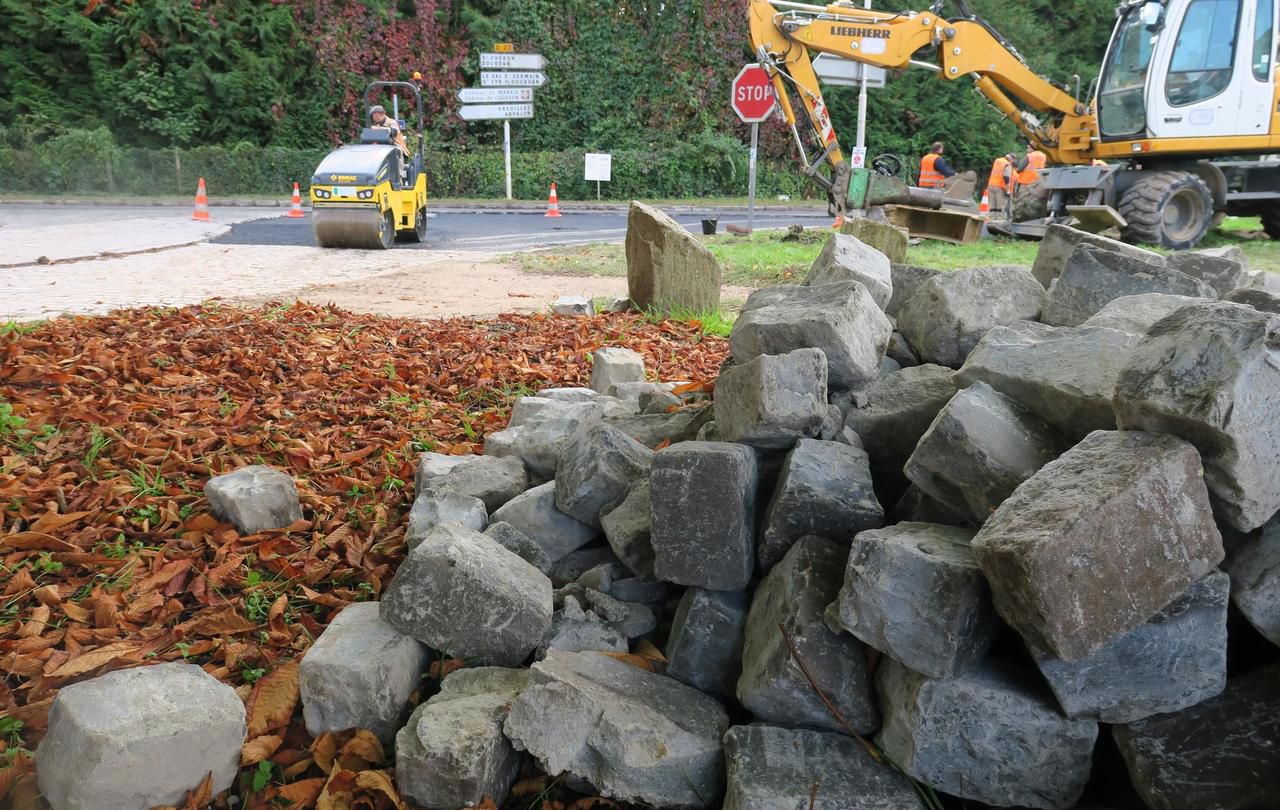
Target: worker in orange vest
(1000, 182)
(1029, 167)
(934, 168)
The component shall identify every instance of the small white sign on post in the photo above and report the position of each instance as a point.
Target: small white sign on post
(858, 158)
(599, 167)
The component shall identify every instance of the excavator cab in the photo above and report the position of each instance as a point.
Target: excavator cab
(364, 195)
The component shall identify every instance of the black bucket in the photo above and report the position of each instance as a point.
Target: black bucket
(709, 226)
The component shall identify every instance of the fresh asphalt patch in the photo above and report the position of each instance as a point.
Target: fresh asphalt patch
(505, 231)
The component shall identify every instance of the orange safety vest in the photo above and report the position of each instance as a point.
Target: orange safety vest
(929, 176)
(1035, 162)
(999, 174)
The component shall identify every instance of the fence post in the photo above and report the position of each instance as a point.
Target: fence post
(177, 169)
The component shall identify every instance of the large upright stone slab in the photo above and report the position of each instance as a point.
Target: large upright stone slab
(702, 496)
(914, 592)
(984, 735)
(359, 674)
(795, 595)
(842, 320)
(1222, 754)
(1175, 660)
(1135, 314)
(771, 401)
(632, 734)
(666, 265)
(535, 515)
(980, 446)
(140, 738)
(452, 752)
(825, 489)
(1093, 277)
(1098, 541)
(888, 239)
(892, 414)
(771, 768)
(461, 593)
(1254, 565)
(597, 468)
(1210, 373)
(254, 498)
(704, 649)
(1060, 242)
(847, 258)
(951, 312)
(1065, 376)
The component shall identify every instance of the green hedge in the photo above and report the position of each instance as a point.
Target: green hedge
(83, 161)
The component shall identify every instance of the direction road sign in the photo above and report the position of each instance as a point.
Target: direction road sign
(490, 112)
(513, 61)
(511, 78)
(495, 95)
(846, 72)
(752, 95)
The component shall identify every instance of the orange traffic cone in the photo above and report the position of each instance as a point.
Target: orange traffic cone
(202, 203)
(839, 223)
(295, 207)
(984, 207)
(553, 203)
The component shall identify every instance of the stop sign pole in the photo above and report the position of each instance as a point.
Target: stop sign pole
(752, 98)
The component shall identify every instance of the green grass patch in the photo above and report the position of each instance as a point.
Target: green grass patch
(770, 257)
(717, 322)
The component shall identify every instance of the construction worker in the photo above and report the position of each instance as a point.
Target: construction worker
(934, 168)
(381, 120)
(1000, 182)
(1029, 167)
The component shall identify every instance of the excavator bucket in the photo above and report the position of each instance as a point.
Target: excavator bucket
(1097, 218)
(956, 227)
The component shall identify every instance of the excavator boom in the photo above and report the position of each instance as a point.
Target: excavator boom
(785, 34)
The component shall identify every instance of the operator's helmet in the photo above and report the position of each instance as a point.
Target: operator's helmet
(377, 108)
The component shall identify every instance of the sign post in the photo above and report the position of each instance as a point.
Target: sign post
(599, 167)
(752, 98)
(507, 80)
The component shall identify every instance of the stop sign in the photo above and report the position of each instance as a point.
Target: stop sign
(752, 97)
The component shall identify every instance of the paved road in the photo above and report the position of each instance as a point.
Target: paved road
(506, 231)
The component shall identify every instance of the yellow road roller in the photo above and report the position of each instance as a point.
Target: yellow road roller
(364, 195)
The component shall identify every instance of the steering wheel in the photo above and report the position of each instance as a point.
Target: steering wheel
(888, 165)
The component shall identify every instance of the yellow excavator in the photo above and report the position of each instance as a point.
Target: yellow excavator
(1186, 99)
(364, 195)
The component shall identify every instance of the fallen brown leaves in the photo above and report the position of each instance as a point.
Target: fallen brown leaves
(109, 428)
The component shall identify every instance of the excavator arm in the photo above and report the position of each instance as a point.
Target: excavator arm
(784, 34)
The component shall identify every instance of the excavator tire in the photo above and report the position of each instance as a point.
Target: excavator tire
(1031, 201)
(1271, 221)
(1169, 209)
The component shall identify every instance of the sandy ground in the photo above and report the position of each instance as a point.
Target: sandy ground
(421, 284)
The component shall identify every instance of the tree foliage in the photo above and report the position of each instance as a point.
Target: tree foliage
(629, 76)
